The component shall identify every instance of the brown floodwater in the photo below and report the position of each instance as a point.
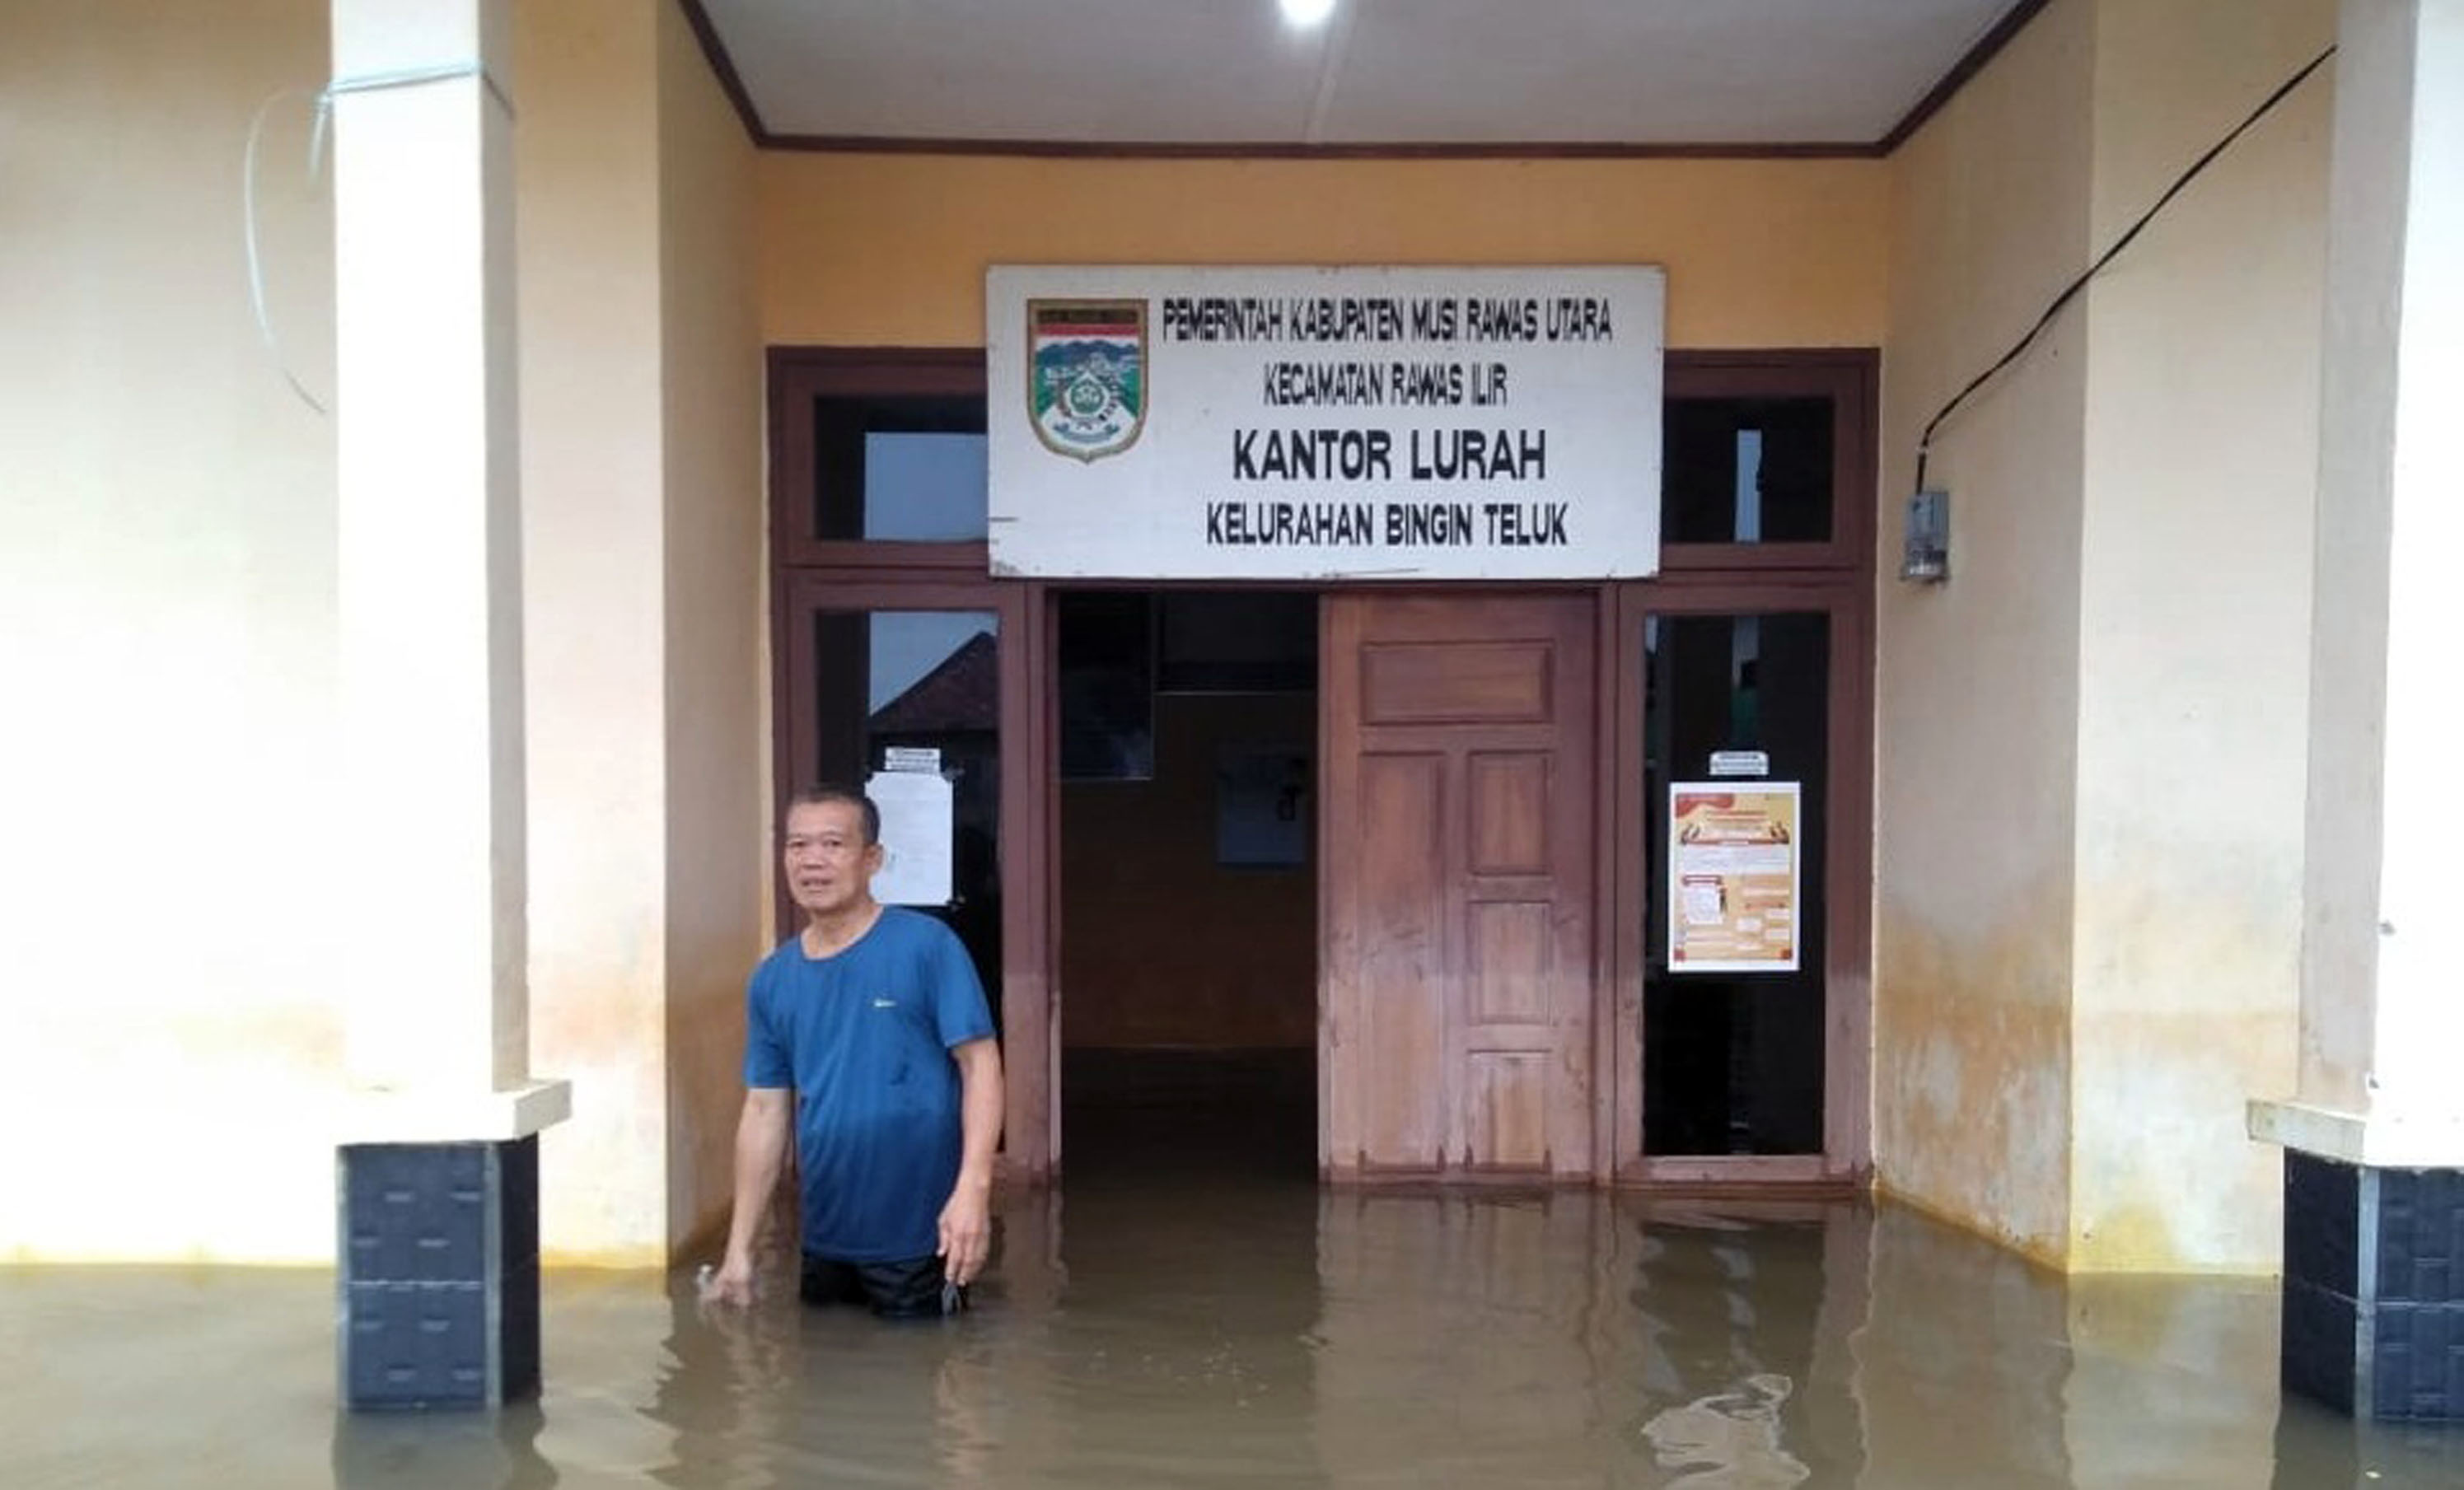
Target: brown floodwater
(1254, 1330)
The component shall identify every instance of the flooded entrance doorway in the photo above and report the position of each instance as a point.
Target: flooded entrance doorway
(1737, 712)
(1188, 883)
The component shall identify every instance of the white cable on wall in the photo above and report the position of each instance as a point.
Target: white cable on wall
(367, 83)
(255, 263)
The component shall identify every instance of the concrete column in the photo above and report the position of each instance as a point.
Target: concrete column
(2375, 1198)
(439, 1175)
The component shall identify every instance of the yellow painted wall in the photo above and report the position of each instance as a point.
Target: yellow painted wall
(2092, 737)
(594, 519)
(2195, 643)
(1978, 679)
(642, 398)
(175, 868)
(716, 666)
(884, 251)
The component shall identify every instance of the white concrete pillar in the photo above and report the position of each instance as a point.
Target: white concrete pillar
(2382, 1076)
(2374, 1174)
(439, 1169)
(431, 574)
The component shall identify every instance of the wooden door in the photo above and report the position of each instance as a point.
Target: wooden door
(1456, 1035)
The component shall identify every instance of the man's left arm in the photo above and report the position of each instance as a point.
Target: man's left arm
(967, 1219)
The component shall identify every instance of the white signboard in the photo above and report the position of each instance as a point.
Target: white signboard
(1325, 424)
(919, 830)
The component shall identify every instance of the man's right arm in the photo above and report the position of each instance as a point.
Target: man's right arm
(760, 1155)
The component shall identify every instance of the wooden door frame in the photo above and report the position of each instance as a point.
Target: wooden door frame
(1029, 1013)
(1846, 1157)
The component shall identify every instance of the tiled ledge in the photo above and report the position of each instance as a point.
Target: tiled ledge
(370, 1116)
(2386, 1141)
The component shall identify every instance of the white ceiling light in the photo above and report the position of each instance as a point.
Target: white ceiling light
(1306, 12)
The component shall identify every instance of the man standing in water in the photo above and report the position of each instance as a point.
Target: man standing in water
(867, 1035)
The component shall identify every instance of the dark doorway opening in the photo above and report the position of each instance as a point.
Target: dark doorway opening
(1733, 1058)
(1188, 886)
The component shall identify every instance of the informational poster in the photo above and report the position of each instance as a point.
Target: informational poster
(918, 831)
(1732, 876)
(1325, 424)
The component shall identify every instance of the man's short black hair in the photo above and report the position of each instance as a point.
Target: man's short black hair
(829, 792)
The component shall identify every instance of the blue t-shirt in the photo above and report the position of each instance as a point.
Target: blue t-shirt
(864, 1038)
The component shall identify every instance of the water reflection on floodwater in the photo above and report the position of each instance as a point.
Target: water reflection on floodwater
(1255, 1332)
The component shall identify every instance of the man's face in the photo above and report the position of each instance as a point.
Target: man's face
(830, 866)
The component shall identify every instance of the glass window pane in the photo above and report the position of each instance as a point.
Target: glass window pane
(1734, 1061)
(927, 488)
(1746, 471)
(899, 470)
(922, 680)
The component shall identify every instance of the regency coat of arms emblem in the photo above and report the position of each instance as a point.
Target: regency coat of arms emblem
(1087, 375)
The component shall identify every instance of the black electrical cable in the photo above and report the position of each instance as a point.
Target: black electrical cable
(1925, 440)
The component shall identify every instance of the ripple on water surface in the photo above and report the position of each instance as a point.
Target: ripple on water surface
(1255, 1333)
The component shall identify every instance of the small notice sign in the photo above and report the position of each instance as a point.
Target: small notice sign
(911, 757)
(918, 811)
(1732, 873)
(1740, 763)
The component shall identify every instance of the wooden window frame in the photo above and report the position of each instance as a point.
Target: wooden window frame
(801, 375)
(1846, 376)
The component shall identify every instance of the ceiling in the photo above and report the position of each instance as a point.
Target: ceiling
(1422, 75)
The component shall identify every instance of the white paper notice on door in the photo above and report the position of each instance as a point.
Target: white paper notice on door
(917, 833)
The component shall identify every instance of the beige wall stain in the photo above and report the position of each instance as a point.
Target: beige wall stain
(2184, 1010)
(2200, 478)
(1971, 1116)
(1977, 679)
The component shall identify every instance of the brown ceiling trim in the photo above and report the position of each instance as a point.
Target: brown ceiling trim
(1987, 48)
(1185, 150)
(714, 50)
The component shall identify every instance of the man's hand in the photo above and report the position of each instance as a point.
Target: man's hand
(732, 1284)
(760, 1152)
(966, 1231)
(966, 1221)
